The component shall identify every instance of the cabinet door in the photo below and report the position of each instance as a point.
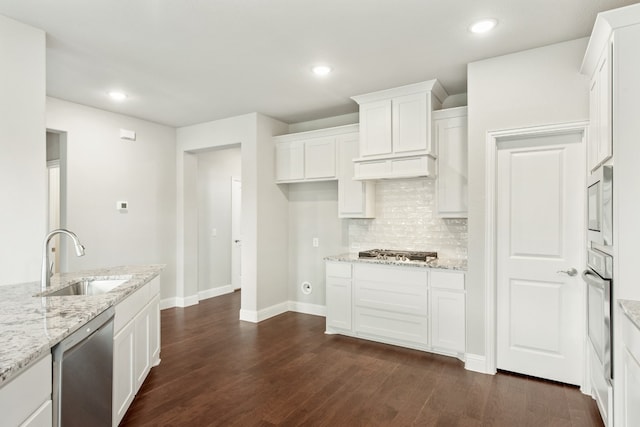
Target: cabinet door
(320, 158)
(375, 128)
(289, 161)
(410, 124)
(154, 330)
(338, 304)
(42, 417)
(451, 138)
(355, 198)
(604, 108)
(630, 389)
(123, 371)
(447, 320)
(594, 123)
(141, 353)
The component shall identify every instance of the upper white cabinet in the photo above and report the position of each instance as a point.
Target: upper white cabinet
(600, 133)
(307, 156)
(450, 136)
(356, 199)
(395, 131)
(325, 155)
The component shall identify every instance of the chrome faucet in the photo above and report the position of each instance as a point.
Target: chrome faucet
(46, 271)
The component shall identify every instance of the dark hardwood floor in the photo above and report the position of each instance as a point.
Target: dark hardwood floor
(219, 371)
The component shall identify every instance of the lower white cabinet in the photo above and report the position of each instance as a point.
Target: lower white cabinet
(338, 294)
(136, 345)
(26, 399)
(448, 311)
(630, 387)
(413, 307)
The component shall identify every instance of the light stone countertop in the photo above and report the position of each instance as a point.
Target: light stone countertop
(447, 264)
(31, 325)
(632, 310)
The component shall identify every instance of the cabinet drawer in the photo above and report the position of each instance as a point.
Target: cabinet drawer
(392, 326)
(129, 307)
(447, 279)
(339, 269)
(393, 274)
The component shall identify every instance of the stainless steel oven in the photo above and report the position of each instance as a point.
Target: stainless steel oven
(600, 206)
(598, 277)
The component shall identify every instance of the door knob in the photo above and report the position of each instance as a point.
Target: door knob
(570, 272)
(236, 241)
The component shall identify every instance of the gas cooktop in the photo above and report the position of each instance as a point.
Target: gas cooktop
(398, 255)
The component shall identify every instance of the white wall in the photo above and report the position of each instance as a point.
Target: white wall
(23, 172)
(313, 212)
(103, 169)
(534, 87)
(264, 209)
(215, 170)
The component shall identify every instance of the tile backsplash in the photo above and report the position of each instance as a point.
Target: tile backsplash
(406, 219)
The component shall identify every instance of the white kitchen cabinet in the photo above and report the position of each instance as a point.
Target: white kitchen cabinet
(600, 146)
(395, 131)
(26, 399)
(289, 161)
(450, 135)
(338, 295)
(308, 156)
(448, 311)
(135, 345)
(356, 199)
(123, 371)
(630, 381)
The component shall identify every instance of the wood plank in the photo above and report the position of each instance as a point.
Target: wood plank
(219, 371)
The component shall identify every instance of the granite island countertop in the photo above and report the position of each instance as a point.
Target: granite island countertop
(443, 263)
(632, 310)
(31, 325)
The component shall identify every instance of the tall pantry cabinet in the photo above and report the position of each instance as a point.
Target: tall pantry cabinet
(612, 63)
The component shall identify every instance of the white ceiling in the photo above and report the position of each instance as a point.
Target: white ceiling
(190, 61)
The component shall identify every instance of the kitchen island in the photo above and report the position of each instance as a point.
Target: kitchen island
(30, 325)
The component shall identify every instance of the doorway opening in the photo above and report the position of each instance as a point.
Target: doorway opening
(56, 195)
(218, 213)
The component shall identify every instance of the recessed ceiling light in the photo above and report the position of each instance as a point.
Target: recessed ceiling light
(483, 25)
(117, 96)
(321, 70)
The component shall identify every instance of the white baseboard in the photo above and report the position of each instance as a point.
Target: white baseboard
(476, 363)
(178, 302)
(306, 308)
(215, 292)
(264, 314)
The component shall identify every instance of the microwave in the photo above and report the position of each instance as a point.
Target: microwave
(600, 206)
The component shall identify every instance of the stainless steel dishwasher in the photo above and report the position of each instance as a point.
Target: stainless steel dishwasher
(83, 375)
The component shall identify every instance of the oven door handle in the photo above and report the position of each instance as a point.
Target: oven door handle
(593, 279)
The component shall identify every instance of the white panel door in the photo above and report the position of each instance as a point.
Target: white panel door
(236, 233)
(540, 217)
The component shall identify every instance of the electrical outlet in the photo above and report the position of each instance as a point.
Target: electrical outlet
(315, 242)
(214, 232)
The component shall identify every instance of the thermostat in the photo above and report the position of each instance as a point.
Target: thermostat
(122, 205)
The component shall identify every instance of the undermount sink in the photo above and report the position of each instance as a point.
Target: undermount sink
(89, 287)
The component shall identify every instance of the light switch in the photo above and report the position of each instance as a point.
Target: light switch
(214, 232)
(315, 242)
